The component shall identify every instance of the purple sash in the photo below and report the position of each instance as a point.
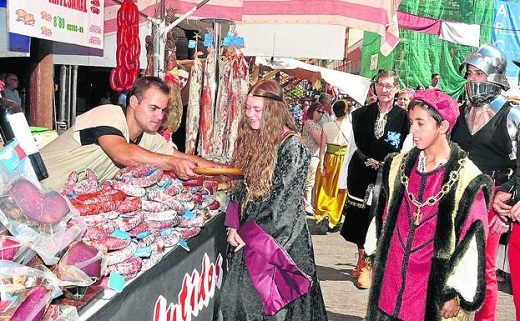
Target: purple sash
(231, 219)
(274, 274)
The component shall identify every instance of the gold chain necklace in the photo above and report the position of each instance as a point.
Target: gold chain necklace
(432, 200)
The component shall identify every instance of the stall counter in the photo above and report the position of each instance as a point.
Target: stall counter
(181, 286)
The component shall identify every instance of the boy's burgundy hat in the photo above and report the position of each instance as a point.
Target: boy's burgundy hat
(446, 106)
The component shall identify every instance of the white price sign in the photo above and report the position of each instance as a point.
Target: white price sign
(78, 22)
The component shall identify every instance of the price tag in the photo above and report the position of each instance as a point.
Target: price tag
(238, 41)
(208, 40)
(144, 252)
(184, 245)
(166, 184)
(227, 41)
(11, 156)
(189, 215)
(192, 44)
(116, 282)
(153, 170)
(120, 234)
(142, 235)
(167, 231)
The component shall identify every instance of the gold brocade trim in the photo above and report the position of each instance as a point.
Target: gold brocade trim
(360, 202)
(432, 200)
(380, 124)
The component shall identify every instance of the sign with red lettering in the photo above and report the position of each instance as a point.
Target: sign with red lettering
(78, 22)
(196, 292)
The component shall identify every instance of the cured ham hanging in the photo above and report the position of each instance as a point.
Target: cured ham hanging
(207, 111)
(193, 109)
(240, 87)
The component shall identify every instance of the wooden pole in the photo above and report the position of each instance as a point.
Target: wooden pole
(41, 87)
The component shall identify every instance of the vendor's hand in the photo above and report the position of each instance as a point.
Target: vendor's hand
(500, 203)
(183, 168)
(450, 309)
(235, 240)
(498, 225)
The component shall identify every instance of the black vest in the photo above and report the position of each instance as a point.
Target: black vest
(489, 147)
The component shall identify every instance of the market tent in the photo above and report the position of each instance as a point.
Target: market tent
(353, 85)
(377, 16)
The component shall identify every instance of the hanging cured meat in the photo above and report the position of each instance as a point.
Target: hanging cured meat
(122, 77)
(222, 108)
(207, 106)
(173, 121)
(240, 87)
(175, 115)
(193, 109)
(149, 55)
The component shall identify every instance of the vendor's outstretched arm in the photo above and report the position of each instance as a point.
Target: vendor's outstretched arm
(201, 162)
(126, 154)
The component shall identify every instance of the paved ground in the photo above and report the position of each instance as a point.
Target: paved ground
(335, 259)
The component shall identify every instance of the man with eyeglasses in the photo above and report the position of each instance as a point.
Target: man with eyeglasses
(11, 92)
(379, 129)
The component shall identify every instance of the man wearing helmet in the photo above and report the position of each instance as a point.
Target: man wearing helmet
(486, 129)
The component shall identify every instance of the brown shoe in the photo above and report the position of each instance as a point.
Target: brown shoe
(359, 265)
(364, 280)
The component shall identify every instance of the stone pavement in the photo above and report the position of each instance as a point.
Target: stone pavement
(335, 259)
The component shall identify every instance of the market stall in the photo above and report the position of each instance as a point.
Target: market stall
(143, 240)
(181, 283)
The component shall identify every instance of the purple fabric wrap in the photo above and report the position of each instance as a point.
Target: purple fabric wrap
(274, 274)
(232, 219)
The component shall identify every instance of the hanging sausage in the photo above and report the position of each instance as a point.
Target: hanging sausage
(122, 77)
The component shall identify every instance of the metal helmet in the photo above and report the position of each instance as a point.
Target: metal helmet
(491, 61)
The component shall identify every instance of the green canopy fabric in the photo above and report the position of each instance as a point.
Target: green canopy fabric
(419, 55)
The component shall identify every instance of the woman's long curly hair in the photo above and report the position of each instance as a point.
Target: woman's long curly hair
(256, 150)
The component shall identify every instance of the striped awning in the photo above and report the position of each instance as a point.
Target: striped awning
(377, 16)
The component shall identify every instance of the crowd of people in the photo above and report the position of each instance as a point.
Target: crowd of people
(420, 170)
(422, 185)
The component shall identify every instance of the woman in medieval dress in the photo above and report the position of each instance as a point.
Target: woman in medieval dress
(269, 202)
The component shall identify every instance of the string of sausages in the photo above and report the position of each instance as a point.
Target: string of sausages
(122, 77)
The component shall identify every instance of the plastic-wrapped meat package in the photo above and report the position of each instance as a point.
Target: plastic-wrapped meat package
(81, 264)
(39, 217)
(31, 291)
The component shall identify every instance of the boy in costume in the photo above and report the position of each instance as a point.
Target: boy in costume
(430, 224)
